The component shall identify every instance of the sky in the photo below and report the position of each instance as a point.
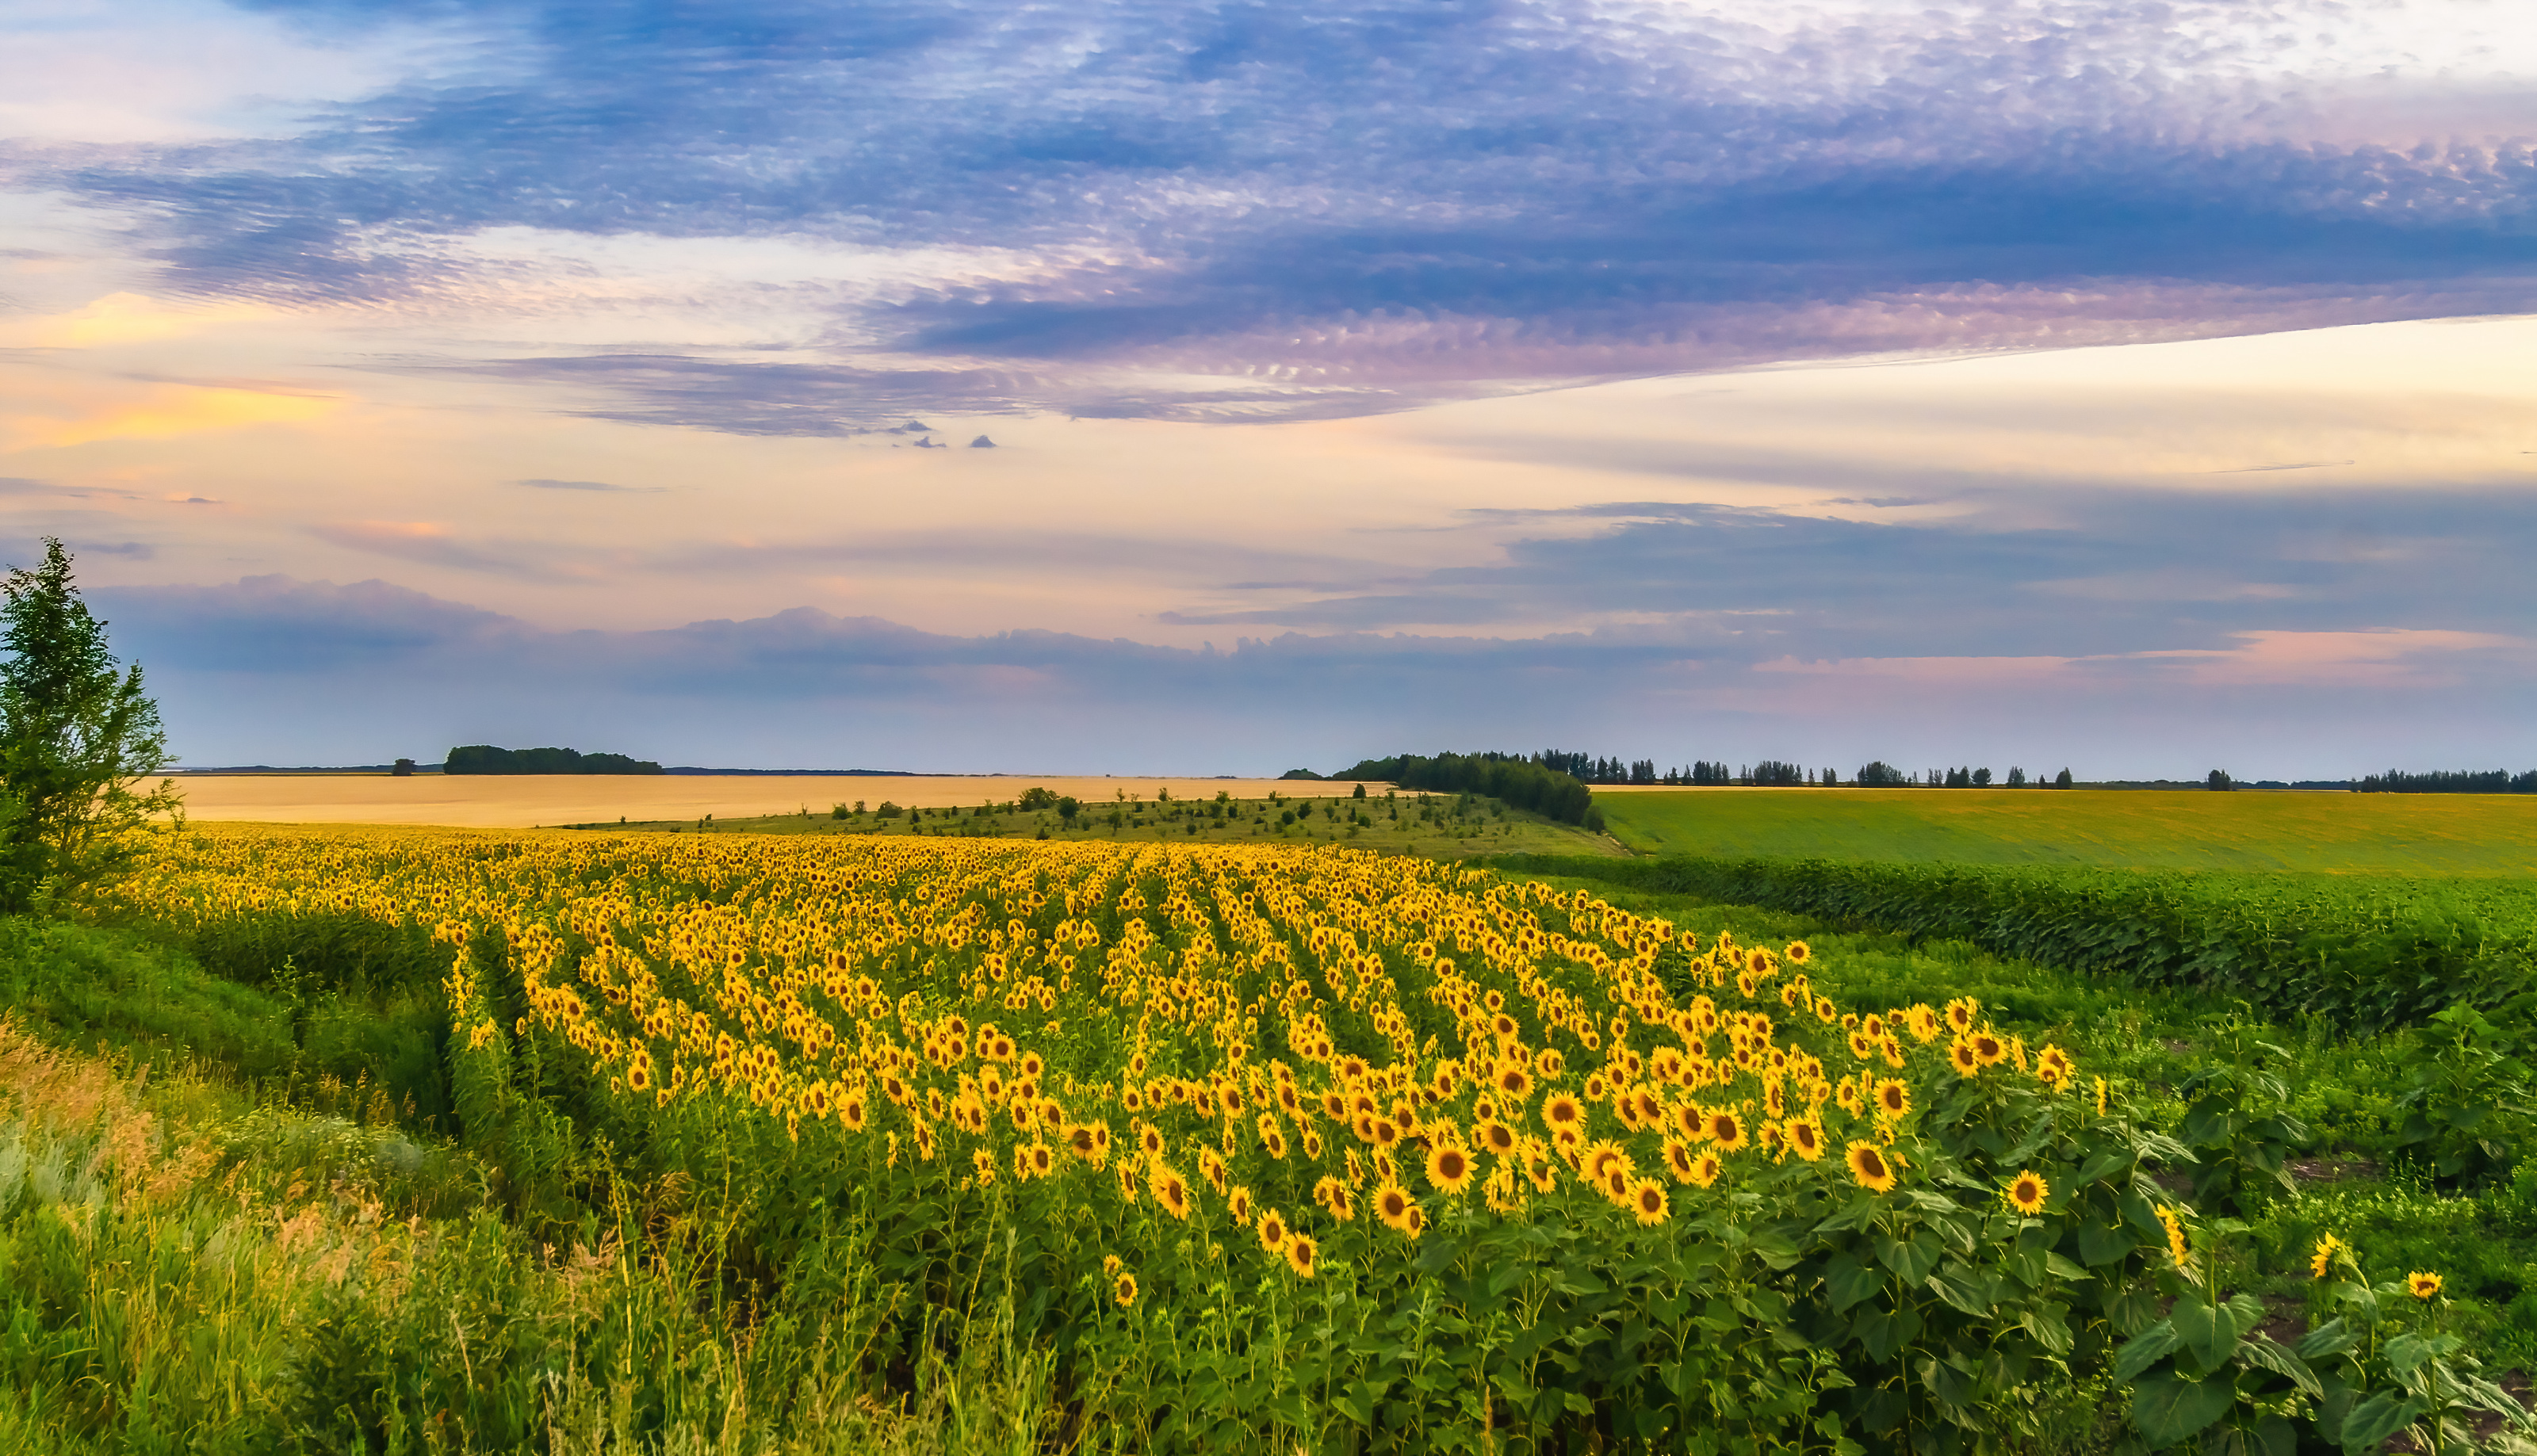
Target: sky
(1119, 387)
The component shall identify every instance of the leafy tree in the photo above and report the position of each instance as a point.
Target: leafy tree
(77, 735)
(2220, 781)
(2016, 777)
(2061, 779)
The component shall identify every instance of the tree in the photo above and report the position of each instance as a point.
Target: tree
(2016, 777)
(2061, 779)
(2220, 781)
(76, 736)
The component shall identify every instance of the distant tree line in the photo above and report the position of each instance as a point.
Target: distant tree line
(484, 758)
(1521, 781)
(2498, 781)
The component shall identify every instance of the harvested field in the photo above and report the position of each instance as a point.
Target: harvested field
(523, 801)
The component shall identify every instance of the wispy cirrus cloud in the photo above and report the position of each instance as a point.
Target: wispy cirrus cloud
(1332, 207)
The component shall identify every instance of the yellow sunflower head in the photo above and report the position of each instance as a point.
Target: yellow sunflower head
(1449, 1168)
(2421, 1285)
(2026, 1192)
(1805, 1138)
(1124, 1289)
(1649, 1202)
(1871, 1166)
(1301, 1253)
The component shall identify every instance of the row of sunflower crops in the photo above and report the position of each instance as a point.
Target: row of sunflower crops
(1329, 1150)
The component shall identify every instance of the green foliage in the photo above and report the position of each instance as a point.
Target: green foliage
(1509, 777)
(76, 736)
(2366, 954)
(484, 758)
(2467, 1110)
(2130, 829)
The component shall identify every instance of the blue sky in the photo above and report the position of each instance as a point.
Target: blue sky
(2142, 386)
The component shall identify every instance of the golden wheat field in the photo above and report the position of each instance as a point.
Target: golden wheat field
(526, 801)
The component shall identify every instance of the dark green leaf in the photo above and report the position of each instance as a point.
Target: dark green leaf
(2331, 1337)
(2208, 1332)
(2261, 1352)
(1846, 1282)
(2374, 1419)
(2145, 1350)
(2167, 1409)
(1913, 1258)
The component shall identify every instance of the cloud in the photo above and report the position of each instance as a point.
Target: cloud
(430, 543)
(1334, 207)
(591, 485)
(272, 669)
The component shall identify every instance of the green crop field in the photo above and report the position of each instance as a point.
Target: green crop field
(2416, 834)
(370, 1139)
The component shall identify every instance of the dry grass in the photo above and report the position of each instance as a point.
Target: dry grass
(527, 800)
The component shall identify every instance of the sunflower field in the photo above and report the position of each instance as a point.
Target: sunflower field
(1255, 1148)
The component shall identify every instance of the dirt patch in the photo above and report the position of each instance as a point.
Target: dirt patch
(2333, 1170)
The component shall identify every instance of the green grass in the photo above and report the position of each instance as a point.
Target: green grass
(2343, 1088)
(1439, 825)
(2411, 834)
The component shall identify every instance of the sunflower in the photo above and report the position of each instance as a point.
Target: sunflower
(1893, 1099)
(1449, 1168)
(1334, 1195)
(1989, 1048)
(1563, 1110)
(1852, 1099)
(1211, 1167)
(1647, 1200)
(2026, 1192)
(1124, 1289)
(2054, 1067)
(1861, 1048)
(2178, 1247)
(1172, 1192)
(1272, 1232)
(1961, 1013)
(1921, 1022)
(850, 1111)
(1726, 1129)
(1514, 1081)
(1149, 1140)
(1238, 1204)
(985, 1163)
(1872, 1167)
(1798, 953)
(1111, 1264)
(1705, 1170)
(2323, 1258)
(2101, 1097)
(1301, 1252)
(1393, 1205)
(1805, 1138)
(1825, 1011)
(1538, 1170)
(1959, 1056)
(1498, 1138)
(1678, 1159)
(2421, 1285)
(1602, 1156)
